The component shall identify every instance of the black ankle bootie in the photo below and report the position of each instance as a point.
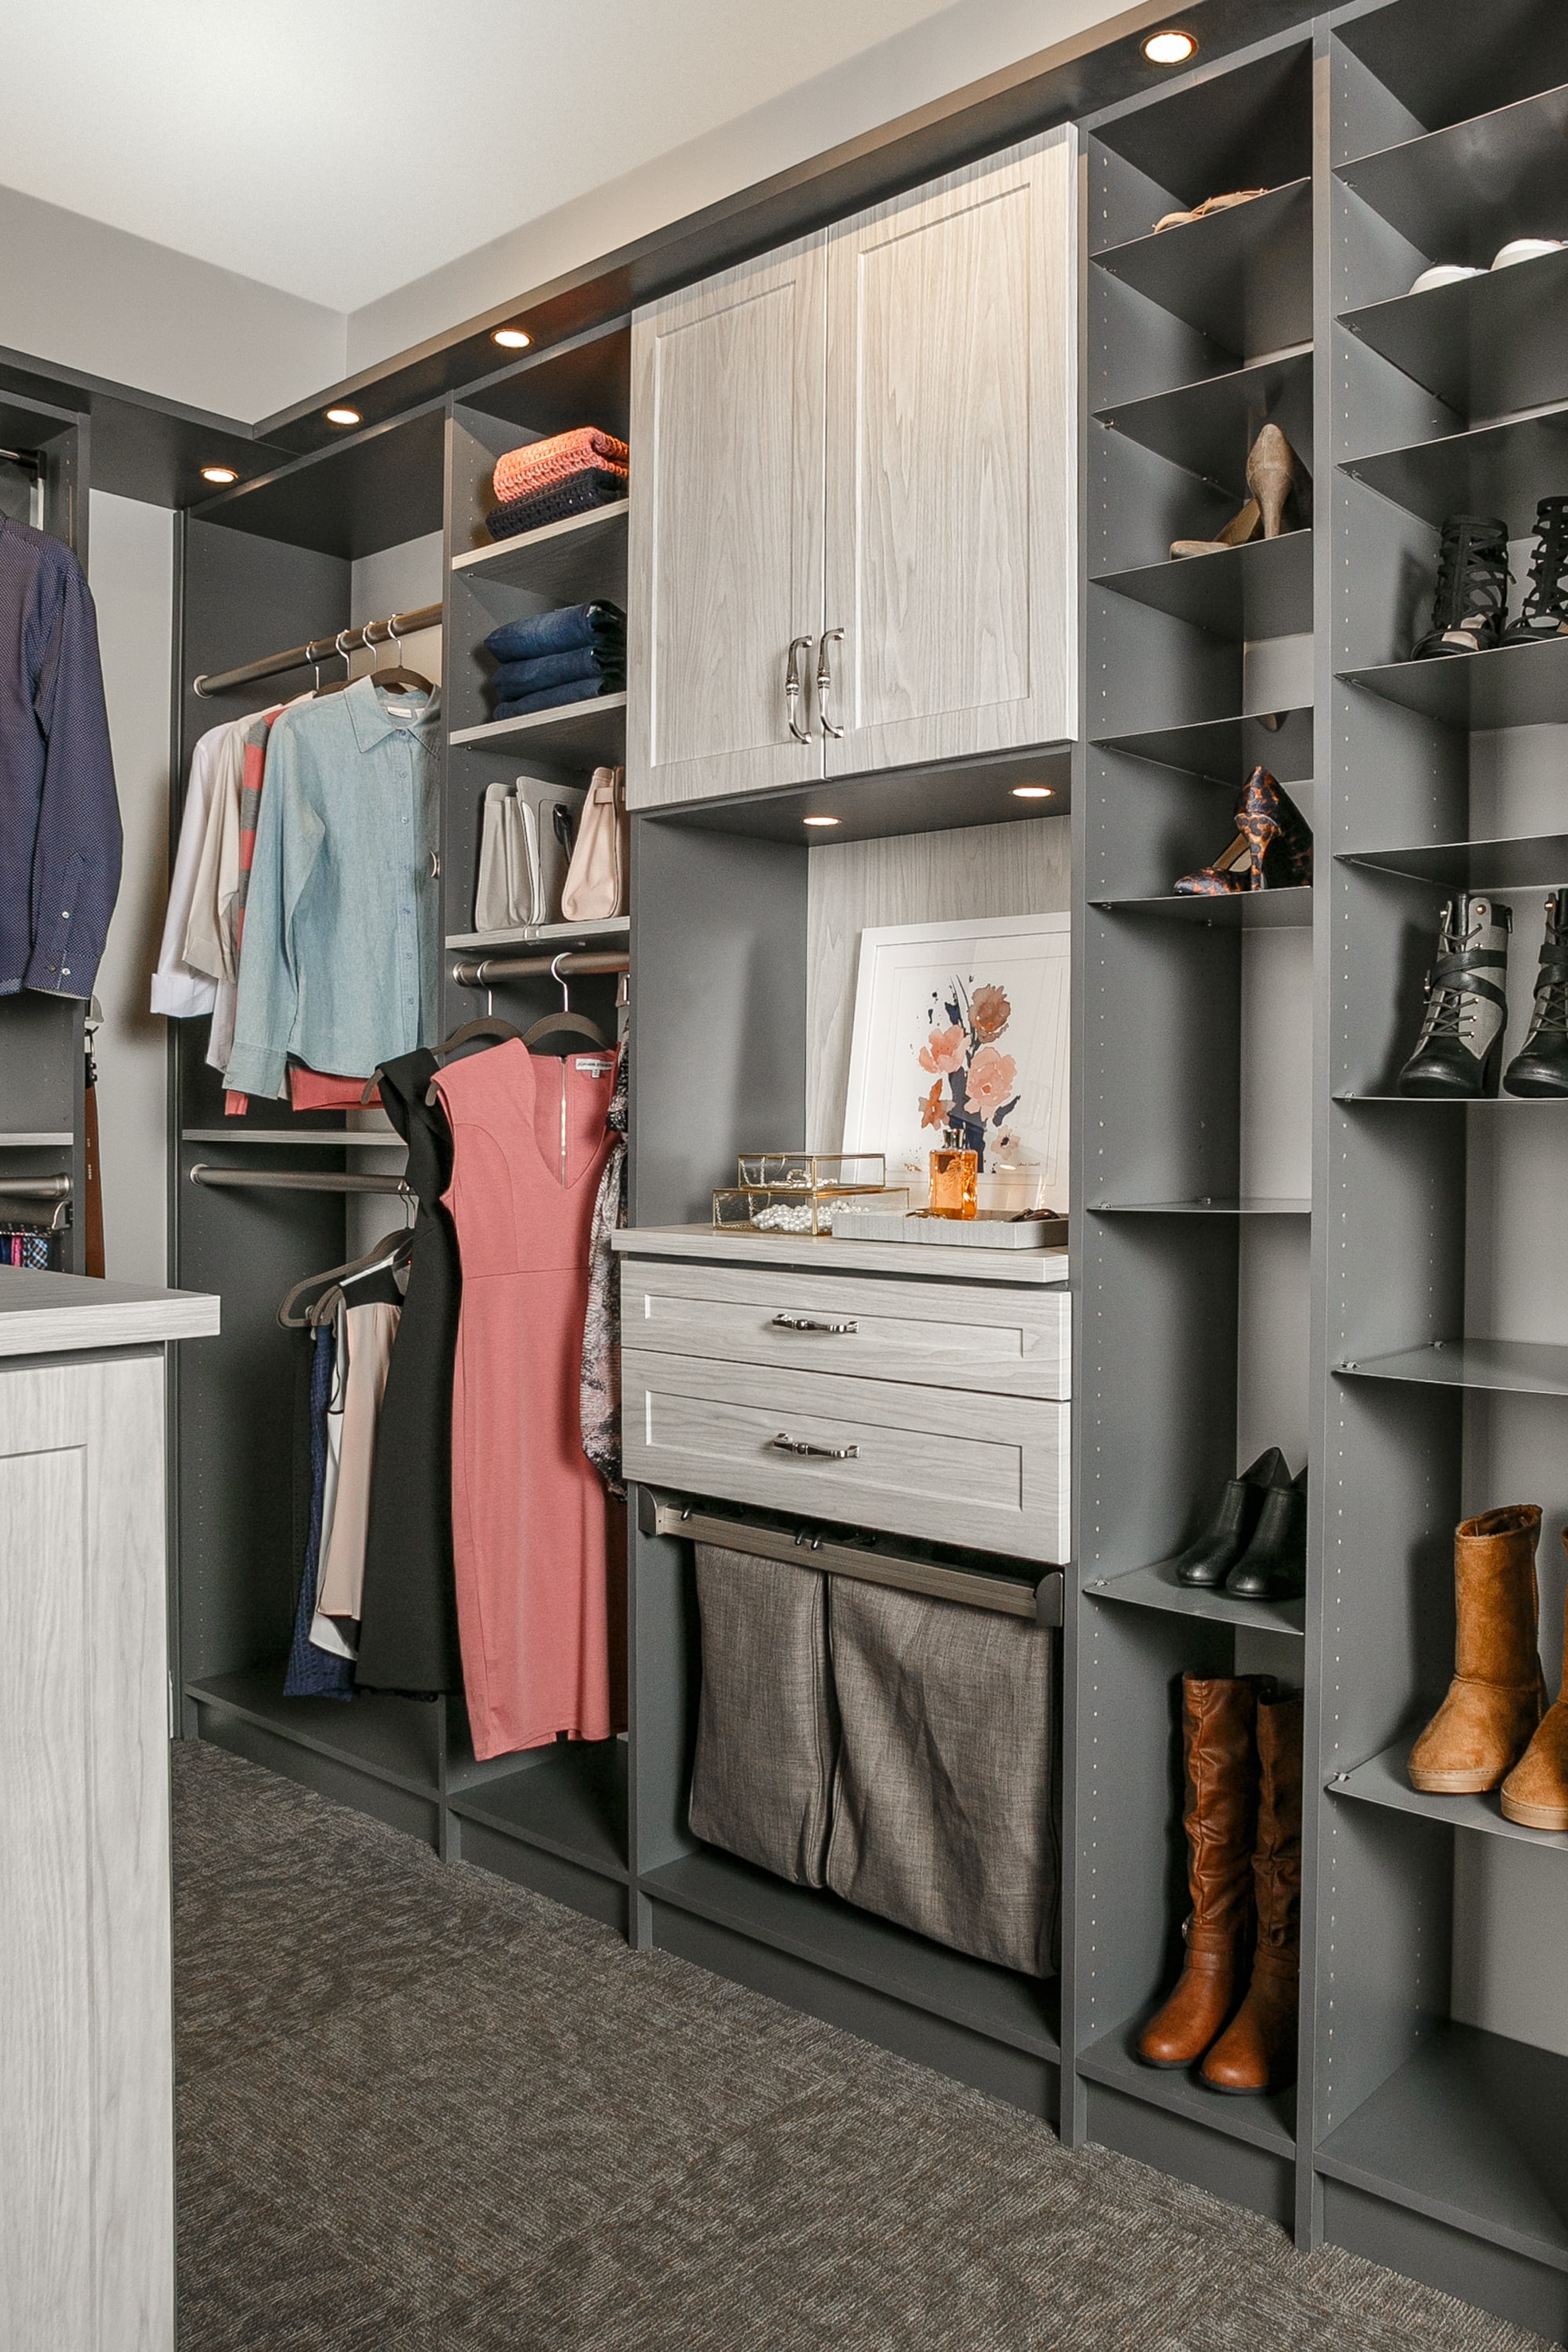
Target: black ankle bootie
(1274, 1565)
(1544, 613)
(1209, 1561)
(1541, 1064)
(1471, 602)
(1461, 1036)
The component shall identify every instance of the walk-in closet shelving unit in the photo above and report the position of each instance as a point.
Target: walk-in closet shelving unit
(43, 482)
(366, 529)
(1425, 2127)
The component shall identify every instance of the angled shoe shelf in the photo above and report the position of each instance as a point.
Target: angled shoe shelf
(1538, 1104)
(1243, 277)
(1495, 469)
(1460, 193)
(1468, 2131)
(1261, 590)
(1247, 910)
(1527, 862)
(1156, 1588)
(1486, 346)
(1224, 750)
(566, 562)
(571, 1805)
(1514, 1367)
(1269, 2122)
(1382, 1781)
(1207, 427)
(1204, 1207)
(581, 734)
(1508, 686)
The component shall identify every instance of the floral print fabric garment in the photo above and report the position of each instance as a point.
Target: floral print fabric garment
(602, 1328)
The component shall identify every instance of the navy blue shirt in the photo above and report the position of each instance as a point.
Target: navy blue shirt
(59, 816)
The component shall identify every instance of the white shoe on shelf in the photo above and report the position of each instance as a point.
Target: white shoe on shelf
(1444, 273)
(1526, 248)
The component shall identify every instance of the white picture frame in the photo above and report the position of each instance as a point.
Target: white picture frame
(907, 972)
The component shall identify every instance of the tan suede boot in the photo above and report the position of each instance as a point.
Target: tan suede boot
(1217, 1729)
(1535, 1794)
(1498, 1693)
(1257, 2051)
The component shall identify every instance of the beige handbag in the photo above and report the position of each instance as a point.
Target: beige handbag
(597, 878)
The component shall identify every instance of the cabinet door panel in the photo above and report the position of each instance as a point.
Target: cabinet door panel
(951, 375)
(725, 530)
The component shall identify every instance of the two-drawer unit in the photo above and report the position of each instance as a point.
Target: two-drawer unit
(911, 1403)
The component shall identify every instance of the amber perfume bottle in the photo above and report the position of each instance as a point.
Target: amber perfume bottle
(954, 1180)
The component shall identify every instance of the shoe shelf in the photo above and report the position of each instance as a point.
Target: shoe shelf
(1203, 1207)
(568, 563)
(1261, 590)
(1537, 1104)
(1487, 347)
(1459, 194)
(1247, 910)
(1156, 1588)
(1469, 2132)
(1243, 278)
(1382, 1781)
(811, 1924)
(1267, 2120)
(1528, 862)
(1506, 686)
(1496, 469)
(388, 1738)
(570, 1801)
(1512, 1367)
(582, 734)
(1207, 427)
(555, 935)
(1224, 750)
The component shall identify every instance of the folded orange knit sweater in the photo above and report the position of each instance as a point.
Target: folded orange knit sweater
(538, 462)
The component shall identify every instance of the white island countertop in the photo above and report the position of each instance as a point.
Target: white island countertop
(59, 1314)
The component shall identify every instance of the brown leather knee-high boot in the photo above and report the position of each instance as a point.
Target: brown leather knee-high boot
(1497, 1695)
(1535, 1794)
(1257, 2051)
(1218, 1724)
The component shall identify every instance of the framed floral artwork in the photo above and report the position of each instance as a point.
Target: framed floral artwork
(961, 1037)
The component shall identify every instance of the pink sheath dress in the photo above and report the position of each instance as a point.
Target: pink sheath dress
(528, 1507)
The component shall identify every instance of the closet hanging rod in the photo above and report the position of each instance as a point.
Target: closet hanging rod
(488, 971)
(28, 460)
(317, 650)
(294, 1180)
(667, 1515)
(36, 1188)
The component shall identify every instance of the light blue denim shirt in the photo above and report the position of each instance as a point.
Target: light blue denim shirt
(340, 963)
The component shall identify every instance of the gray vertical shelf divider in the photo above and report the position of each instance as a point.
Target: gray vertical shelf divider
(42, 1130)
(1428, 2143)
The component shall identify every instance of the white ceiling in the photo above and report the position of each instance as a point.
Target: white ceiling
(338, 153)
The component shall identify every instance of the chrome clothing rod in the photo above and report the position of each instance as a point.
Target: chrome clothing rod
(489, 971)
(318, 650)
(35, 1188)
(295, 1180)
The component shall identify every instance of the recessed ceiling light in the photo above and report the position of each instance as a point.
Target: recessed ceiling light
(511, 339)
(1170, 48)
(342, 416)
(1034, 791)
(219, 474)
(819, 820)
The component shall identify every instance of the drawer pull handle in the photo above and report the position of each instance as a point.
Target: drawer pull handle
(786, 1445)
(812, 1323)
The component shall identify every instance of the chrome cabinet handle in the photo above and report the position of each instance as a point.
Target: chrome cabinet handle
(786, 1445)
(793, 689)
(825, 680)
(812, 1323)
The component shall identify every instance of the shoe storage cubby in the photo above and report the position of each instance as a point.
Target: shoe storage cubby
(1421, 1282)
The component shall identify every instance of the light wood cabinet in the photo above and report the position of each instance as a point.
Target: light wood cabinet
(856, 459)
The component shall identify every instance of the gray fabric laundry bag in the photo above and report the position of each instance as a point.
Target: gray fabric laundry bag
(766, 1728)
(944, 1817)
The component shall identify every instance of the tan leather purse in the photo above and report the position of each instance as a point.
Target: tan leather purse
(598, 878)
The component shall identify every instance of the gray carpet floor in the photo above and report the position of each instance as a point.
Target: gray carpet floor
(420, 2108)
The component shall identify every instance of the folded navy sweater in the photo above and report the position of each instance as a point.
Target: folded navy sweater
(575, 494)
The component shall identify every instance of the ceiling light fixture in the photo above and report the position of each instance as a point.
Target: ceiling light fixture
(219, 474)
(1170, 48)
(511, 339)
(1034, 791)
(819, 820)
(343, 415)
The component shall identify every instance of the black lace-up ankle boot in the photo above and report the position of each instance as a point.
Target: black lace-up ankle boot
(1541, 1064)
(1456, 1052)
(1544, 613)
(1471, 604)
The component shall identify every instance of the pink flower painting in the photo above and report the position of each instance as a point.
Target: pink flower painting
(982, 1082)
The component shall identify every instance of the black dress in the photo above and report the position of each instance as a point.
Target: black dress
(408, 1632)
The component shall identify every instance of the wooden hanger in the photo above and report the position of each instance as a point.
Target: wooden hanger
(398, 679)
(336, 684)
(565, 1023)
(386, 1252)
(488, 1029)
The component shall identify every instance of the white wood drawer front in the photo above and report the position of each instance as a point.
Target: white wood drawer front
(988, 1471)
(940, 1335)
